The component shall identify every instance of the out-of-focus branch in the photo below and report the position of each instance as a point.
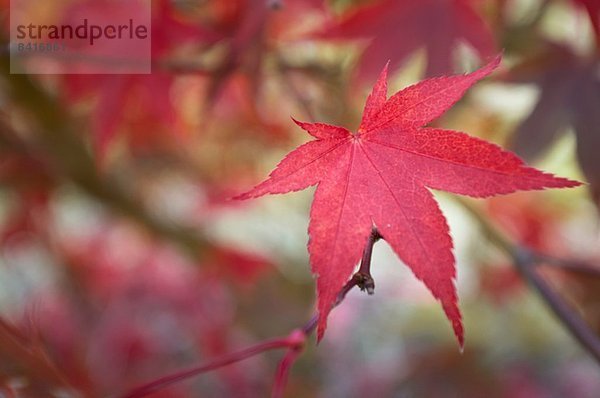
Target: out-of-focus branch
(285, 365)
(56, 139)
(525, 261)
(300, 98)
(220, 362)
(328, 75)
(578, 266)
(566, 313)
(20, 356)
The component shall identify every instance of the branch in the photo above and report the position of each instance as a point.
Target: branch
(525, 260)
(225, 360)
(577, 266)
(301, 100)
(283, 369)
(365, 280)
(294, 342)
(565, 313)
(362, 278)
(24, 358)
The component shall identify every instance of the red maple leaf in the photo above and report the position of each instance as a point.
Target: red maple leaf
(379, 177)
(397, 28)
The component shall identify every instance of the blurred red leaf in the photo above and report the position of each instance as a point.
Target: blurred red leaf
(243, 268)
(397, 28)
(528, 222)
(250, 34)
(380, 176)
(137, 104)
(249, 31)
(500, 283)
(32, 178)
(569, 96)
(133, 306)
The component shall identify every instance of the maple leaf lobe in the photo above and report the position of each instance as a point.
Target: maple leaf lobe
(380, 177)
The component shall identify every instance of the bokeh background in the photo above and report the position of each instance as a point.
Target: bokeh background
(122, 257)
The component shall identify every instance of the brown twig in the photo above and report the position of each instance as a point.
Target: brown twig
(577, 266)
(566, 313)
(302, 101)
(361, 278)
(525, 261)
(294, 342)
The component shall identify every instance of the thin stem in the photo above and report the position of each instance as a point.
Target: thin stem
(295, 342)
(283, 371)
(311, 325)
(367, 283)
(540, 258)
(363, 279)
(525, 260)
(225, 360)
(298, 96)
(566, 313)
(577, 266)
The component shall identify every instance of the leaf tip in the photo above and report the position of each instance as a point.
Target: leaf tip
(454, 316)
(320, 334)
(386, 67)
(494, 63)
(322, 323)
(321, 330)
(302, 125)
(460, 335)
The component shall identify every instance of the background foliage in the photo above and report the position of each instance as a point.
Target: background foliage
(123, 259)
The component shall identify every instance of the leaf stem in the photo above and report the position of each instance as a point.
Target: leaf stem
(361, 278)
(366, 282)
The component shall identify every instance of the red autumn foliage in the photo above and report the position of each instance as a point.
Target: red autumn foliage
(126, 270)
(394, 29)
